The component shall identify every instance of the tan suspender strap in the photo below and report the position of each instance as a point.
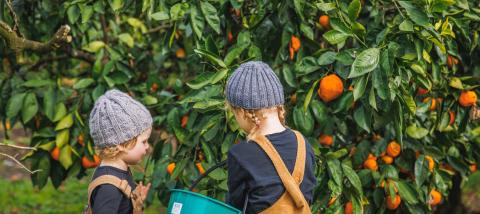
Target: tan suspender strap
(291, 186)
(109, 179)
(299, 169)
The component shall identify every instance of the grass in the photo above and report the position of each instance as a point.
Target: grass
(21, 197)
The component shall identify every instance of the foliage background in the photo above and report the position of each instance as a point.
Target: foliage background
(384, 49)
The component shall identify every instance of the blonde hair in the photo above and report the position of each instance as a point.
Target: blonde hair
(112, 152)
(255, 116)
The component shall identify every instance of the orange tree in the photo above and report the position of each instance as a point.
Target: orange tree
(385, 91)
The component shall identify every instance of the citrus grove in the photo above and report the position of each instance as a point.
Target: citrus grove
(385, 91)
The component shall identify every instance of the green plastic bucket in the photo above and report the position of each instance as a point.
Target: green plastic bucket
(187, 202)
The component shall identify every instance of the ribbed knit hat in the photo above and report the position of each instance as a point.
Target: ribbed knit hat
(253, 85)
(117, 118)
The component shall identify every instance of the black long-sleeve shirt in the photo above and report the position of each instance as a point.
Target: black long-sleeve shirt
(251, 170)
(108, 199)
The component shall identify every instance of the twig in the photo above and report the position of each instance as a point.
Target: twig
(42, 62)
(16, 26)
(18, 162)
(395, 3)
(104, 29)
(19, 147)
(159, 28)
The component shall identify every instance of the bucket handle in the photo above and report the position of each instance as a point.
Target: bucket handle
(221, 164)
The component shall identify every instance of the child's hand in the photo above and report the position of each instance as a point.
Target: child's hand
(143, 190)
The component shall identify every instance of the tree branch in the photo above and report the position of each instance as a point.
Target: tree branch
(19, 163)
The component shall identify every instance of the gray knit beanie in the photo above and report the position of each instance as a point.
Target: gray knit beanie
(253, 85)
(117, 118)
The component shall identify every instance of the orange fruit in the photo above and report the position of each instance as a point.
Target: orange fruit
(371, 164)
(295, 43)
(324, 21)
(468, 98)
(451, 60)
(331, 87)
(473, 168)
(200, 168)
(350, 88)
(154, 87)
(326, 140)
(433, 104)
(387, 159)
(81, 140)
(349, 208)
(331, 201)
(393, 149)
(452, 117)
(87, 163)
(431, 162)
(371, 156)
(180, 53)
(7, 125)
(421, 91)
(170, 168)
(184, 121)
(291, 53)
(55, 153)
(393, 203)
(293, 98)
(435, 197)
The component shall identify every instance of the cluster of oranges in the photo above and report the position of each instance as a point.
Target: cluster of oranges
(86, 162)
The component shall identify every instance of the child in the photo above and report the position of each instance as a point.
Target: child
(273, 172)
(120, 128)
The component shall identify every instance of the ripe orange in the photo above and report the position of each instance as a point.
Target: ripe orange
(452, 117)
(180, 53)
(431, 162)
(293, 98)
(200, 168)
(331, 201)
(473, 168)
(170, 168)
(433, 104)
(81, 140)
(371, 164)
(349, 208)
(468, 98)
(393, 203)
(435, 197)
(87, 163)
(326, 140)
(451, 60)
(331, 87)
(393, 149)
(371, 156)
(295, 43)
(230, 37)
(154, 87)
(184, 121)
(387, 159)
(324, 21)
(55, 153)
(421, 91)
(291, 53)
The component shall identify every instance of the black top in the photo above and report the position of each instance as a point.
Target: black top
(251, 170)
(108, 199)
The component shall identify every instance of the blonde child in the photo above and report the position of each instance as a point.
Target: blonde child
(273, 171)
(120, 127)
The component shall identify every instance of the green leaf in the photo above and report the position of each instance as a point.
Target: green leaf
(303, 120)
(208, 104)
(407, 192)
(116, 4)
(233, 54)
(362, 118)
(406, 26)
(308, 98)
(65, 123)
(417, 15)
(178, 11)
(13, 105)
(87, 12)
(327, 58)
(149, 100)
(325, 7)
(61, 111)
(307, 31)
(62, 138)
(289, 77)
(365, 62)
(319, 111)
(49, 103)
(36, 83)
(73, 13)
(410, 103)
(66, 156)
(201, 80)
(416, 132)
(197, 20)
(335, 170)
(371, 99)
(127, 39)
(335, 37)
(30, 107)
(160, 16)
(210, 14)
(354, 9)
(455, 82)
(219, 75)
(83, 83)
(421, 170)
(359, 88)
(353, 178)
(211, 57)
